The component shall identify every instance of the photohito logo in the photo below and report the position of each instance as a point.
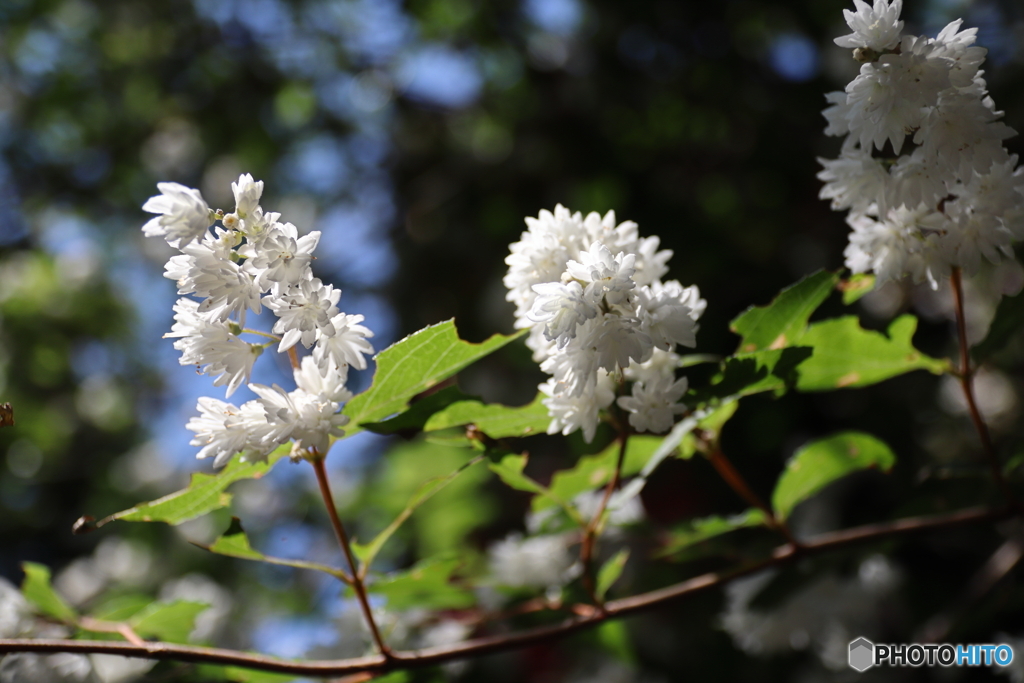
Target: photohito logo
(864, 654)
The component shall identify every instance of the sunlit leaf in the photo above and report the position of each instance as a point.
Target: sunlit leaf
(699, 530)
(205, 493)
(610, 572)
(847, 355)
(171, 622)
(419, 412)
(425, 585)
(495, 420)
(856, 286)
(1007, 323)
(783, 321)
(821, 462)
(413, 365)
(121, 607)
(37, 590)
(234, 543)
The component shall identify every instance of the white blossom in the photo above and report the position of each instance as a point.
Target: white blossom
(304, 311)
(535, 562)
(571, 413)
(184, 215)
(877, 26)
(247, 194)
(223, 429)
(283, 257)
(347, 346)
(654, 404)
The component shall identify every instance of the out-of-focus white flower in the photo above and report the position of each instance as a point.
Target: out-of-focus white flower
(15, 613)
(535, 562)
(184, 215)
(572, 413)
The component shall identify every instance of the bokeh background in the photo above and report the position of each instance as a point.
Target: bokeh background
(416, 136)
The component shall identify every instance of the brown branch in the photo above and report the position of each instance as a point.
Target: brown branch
(966, 383)
(735, 480)
(592, 531)
(317, 461)
(587, 618)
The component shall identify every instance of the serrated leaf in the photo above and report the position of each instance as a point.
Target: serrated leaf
(493, 419)
(856, 286)
(425, 585)
(699, 530)
(847, 355)
(783, 321)
(204, 494)
(1008, 321)
(594, 471)
(234, 543)
(366, 553)
(610, 572)
(37, 589)
(821, 462)
(170, 622)
(413, 365)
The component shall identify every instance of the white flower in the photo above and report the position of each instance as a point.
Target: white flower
(537, 562)
(562, 307)
(184, 214)
(654, 404)
(572, 413)
(661, 363)
(607, 277)
(316, 420)
(618, 340)
(205, 269)
(853, 181)
(331, 384)
(223, 429)
(247, 195)
(877, 27)
(211, 343)
(305, 310)
(347, 346)
(283, 257)
(890, 247)
(670, 313)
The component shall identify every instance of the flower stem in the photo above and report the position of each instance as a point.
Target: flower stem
(262, 334)
(293, 358)
(593, 530)
(339, 530)
(737, 483)
(966, 383)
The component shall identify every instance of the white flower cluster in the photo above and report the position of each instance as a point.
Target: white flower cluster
(249, 261)
(923, 170)
(533, 562)
(590, 291)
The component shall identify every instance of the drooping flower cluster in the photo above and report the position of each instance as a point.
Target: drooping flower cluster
(248, 261)
(590, 291)
(923, 170)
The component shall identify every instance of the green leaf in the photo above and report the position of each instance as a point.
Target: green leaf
(413, 365)
(493, 419)
(37, 590)
(593, 471)
(856, 286)
(239, 675)
(205, 493)
(783, 321)
(821, 462)
(699, 530)
(611, 571)
(510, 470)
(614, 637)
(425, 585)
(412, 420)
(234, 543)
(121, 607)
(367, 553)
(1007, 323)
(170, 622)
(847, 355)
(746, 374)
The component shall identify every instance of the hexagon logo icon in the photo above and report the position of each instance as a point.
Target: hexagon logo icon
(862, 654)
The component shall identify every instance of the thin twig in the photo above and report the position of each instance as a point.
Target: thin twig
(737, 483)
(339, 530)
(480, 646)
(293, 358)
(593, 529)
(966, 383)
